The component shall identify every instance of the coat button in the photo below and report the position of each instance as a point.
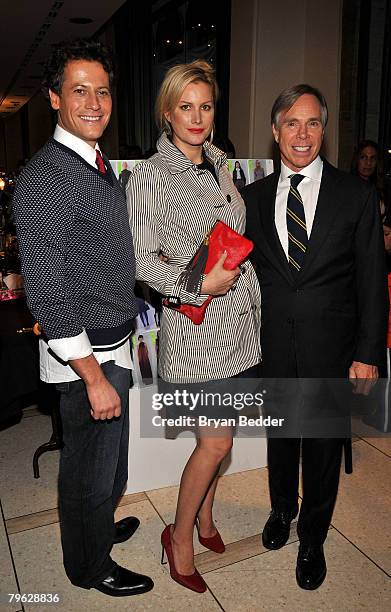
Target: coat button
(228, 198)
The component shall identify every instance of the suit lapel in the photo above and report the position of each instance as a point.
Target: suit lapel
(326, 209)
(267, 213)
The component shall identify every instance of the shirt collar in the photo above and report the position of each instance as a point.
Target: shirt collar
(313, 171)
(77, 145)
(178, 162)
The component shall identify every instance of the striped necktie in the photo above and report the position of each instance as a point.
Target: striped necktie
(99, 162)
(295, 221)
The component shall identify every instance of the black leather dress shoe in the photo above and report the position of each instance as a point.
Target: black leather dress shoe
(125, 529)
(311, 567)
(122, 583)
(276, 531)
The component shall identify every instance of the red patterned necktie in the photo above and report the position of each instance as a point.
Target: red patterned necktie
(99, 162)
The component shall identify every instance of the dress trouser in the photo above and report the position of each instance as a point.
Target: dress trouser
(93, 474)
(321, 462)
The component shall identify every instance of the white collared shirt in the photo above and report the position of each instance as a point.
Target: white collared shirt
(309, 190)
(79, 146)
(51, 369)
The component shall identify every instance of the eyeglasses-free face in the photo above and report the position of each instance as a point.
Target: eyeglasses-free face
(84, 103)
(299, 132)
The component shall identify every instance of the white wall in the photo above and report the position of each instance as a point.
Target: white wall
(275, 45)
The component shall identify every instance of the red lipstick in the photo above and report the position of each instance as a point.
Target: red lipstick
(196, 130)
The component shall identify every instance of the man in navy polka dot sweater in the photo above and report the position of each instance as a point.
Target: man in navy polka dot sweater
(79, 268)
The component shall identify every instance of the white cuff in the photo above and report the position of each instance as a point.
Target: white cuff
(76, 347)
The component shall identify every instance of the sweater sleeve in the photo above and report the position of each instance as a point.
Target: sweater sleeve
(146, 197)
(44, 219)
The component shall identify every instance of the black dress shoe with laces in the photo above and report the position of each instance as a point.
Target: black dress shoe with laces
(125, 529)
(276, 531)
(311, 567)
(122, 583)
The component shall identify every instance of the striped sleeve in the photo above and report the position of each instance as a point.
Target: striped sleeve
(145, 195)
(235, 205)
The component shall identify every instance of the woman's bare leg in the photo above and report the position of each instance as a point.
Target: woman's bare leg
(197, 477)
(205, 513)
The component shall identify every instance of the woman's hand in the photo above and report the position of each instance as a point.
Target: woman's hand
(219, 280)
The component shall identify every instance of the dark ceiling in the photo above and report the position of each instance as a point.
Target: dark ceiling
(28, 28)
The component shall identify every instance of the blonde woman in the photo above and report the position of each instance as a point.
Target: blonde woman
(174, 199)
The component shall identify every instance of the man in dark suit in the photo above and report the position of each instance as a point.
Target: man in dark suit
(320, 260)
(124, 176)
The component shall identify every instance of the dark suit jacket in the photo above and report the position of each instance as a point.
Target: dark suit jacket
(124, 177)
(335, 310)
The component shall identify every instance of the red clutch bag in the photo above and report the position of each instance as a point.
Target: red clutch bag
(221, 238)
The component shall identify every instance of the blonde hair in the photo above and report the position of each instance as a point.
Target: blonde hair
(175, 81)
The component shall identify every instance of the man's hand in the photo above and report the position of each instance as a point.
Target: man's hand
(104, 399)
(219, 280)
(13, 281)
(363, 377)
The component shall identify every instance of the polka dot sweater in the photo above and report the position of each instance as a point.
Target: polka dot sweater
(76, 247)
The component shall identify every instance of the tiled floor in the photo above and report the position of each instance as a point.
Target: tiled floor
(246, 578)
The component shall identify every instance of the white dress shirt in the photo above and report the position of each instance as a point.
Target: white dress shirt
(54, 370)
(309, 191)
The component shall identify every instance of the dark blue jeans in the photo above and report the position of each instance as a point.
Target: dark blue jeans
(93, 474)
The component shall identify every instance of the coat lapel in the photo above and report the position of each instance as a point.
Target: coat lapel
(266, 211)
(326, 209)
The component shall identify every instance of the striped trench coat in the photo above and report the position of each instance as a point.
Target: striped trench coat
(172, 205)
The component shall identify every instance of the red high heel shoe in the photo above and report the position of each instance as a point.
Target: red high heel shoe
(214, 543)
(194, 582)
